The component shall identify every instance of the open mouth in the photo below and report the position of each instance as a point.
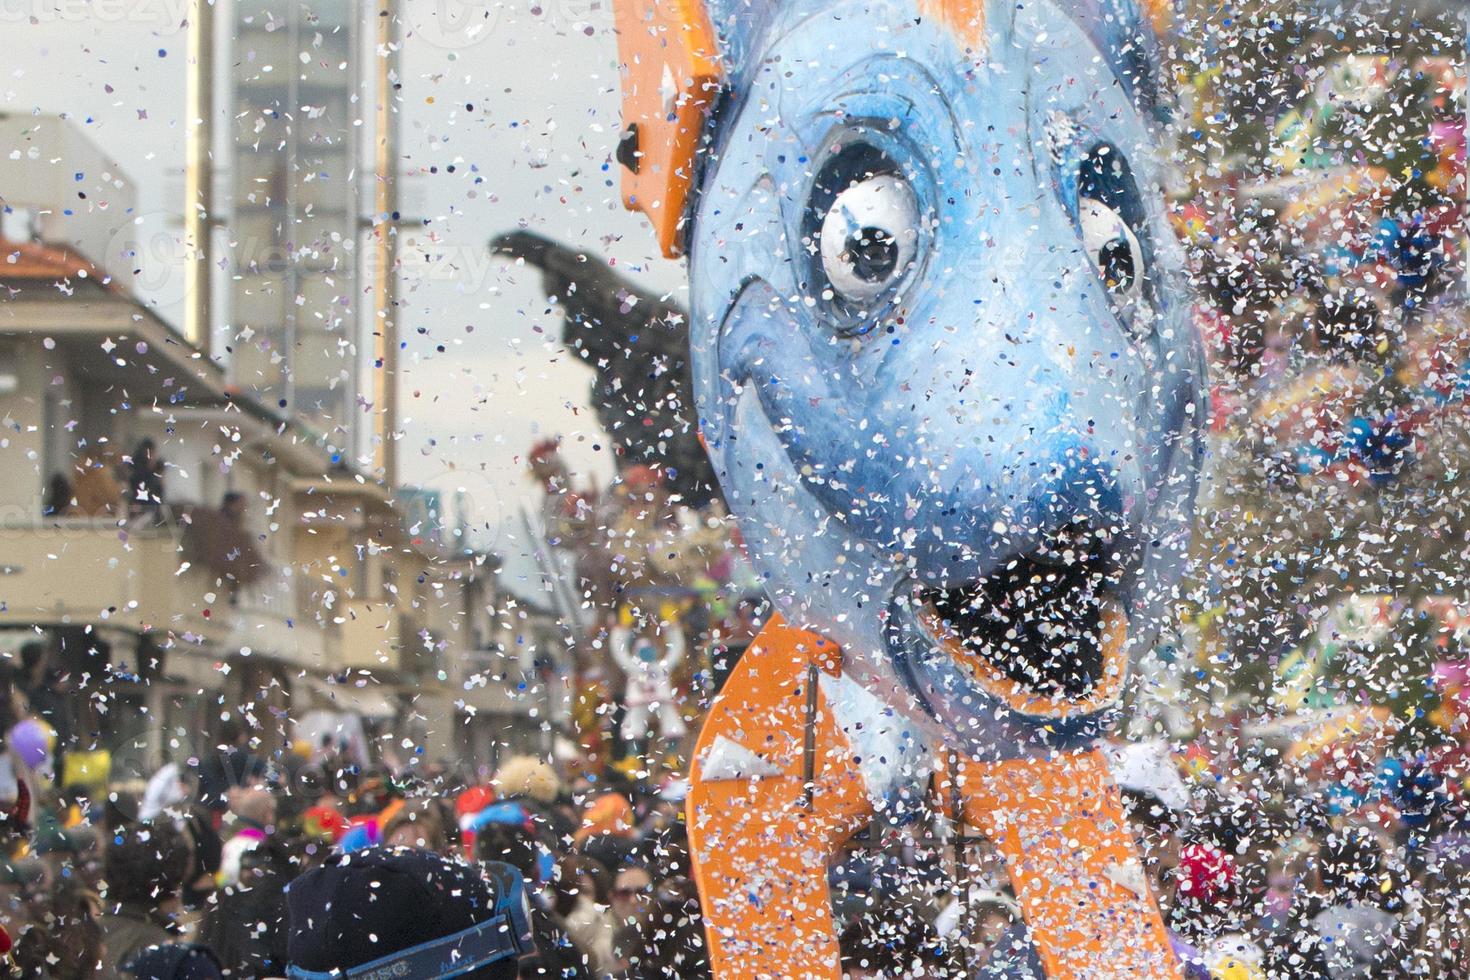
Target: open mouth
(1045, 633)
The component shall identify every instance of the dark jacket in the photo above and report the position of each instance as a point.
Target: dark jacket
(130, 929)
(247, 925)
(556, 956)
(223, 770)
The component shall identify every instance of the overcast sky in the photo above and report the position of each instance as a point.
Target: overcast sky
(541, 78)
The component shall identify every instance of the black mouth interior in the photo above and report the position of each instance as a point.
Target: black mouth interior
(1038, 620)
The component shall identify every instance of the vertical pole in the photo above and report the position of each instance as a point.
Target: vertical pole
(809, 738)
(385, 240)
(295, 278)
(199, 175)
(957, 815)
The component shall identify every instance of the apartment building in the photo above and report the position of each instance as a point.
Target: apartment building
(180, 552)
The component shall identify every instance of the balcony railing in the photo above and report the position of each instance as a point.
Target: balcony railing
(366, 634)
(265, 619)
(100, 571)
(134, 576)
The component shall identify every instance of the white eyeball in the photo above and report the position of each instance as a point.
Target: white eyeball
(1113, 249)
(869, 237)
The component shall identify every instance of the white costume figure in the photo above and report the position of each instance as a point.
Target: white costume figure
(650, 672)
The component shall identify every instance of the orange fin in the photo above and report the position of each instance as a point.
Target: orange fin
(761, 837)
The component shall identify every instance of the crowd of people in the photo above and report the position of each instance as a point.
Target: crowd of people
(1263, 867)
(1288, 854)
(204, 858)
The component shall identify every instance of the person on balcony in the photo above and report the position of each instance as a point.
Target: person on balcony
(145, 482)
(222, 542)
(58, 500)
(95, 491)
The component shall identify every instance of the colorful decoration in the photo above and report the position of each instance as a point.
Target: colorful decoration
(947, 376)
(649, 655)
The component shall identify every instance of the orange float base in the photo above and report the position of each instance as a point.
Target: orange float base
(772, 799)
(1058, 823)
(761, 840)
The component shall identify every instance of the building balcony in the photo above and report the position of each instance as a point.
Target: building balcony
(133, 576)
(366, 635)
(490, 682)
(264, 620)
(78, 571)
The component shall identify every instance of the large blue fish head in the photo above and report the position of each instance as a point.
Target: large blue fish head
(943, 351)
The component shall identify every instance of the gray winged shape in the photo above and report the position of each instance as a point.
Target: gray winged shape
(637, 343)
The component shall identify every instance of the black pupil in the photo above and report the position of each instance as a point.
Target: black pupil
(873, 253)
(1117, 265)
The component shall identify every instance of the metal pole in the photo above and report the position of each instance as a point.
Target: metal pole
(809, 738)
(385, 242)
(199, 176)
(291, 326)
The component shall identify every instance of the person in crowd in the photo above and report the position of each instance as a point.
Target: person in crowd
(253, 810)
(144, 868)
(419, 823)
(47, 694)
(176, 797)
(535, 785)
(512, 836)
(232, 764)
(582, 903)
(607, 834)
(407, 912)
(246, 921)
(175, 961)
(1210, 911)
(631, 892)
(1354, 934)
(1155, 801)
(66, 940)
(662, 835)
(24, 891)
(677, 943)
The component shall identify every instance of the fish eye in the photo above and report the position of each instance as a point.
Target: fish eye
(1110, 219)
(869, 237)
(1113, 248)
(863, 230)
